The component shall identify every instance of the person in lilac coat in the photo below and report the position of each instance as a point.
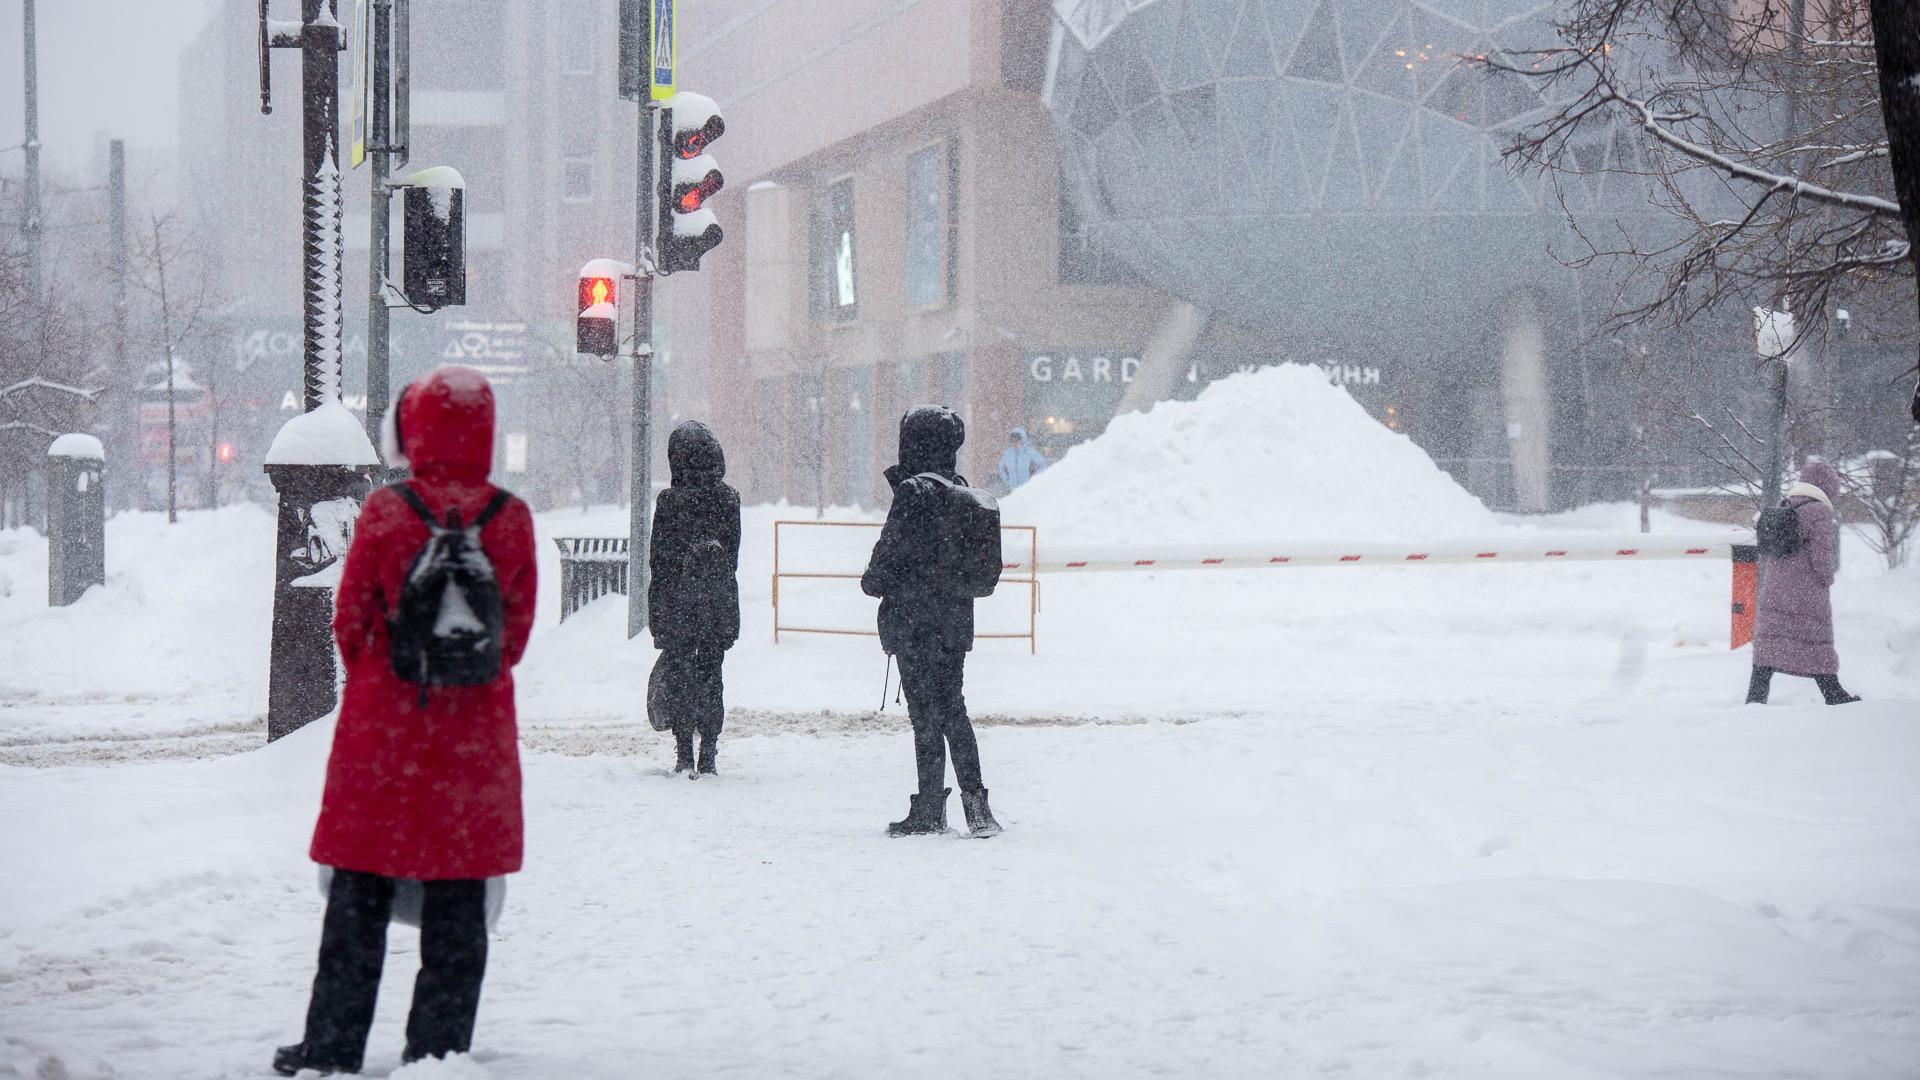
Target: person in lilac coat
(1795, 632)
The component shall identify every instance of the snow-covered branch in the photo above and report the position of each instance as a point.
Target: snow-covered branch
(36, 382)
(1740, 170)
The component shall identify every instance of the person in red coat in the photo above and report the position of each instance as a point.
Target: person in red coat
(423, 786)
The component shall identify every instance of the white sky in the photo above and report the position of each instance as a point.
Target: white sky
(105, 66)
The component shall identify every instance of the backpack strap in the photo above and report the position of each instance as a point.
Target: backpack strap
(494, 506)
(413, 499)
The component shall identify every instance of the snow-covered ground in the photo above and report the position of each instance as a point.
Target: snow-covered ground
(1376, 822)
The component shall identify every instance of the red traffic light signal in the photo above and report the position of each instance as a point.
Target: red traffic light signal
(689, 196)
(690, 141)
(688, 177)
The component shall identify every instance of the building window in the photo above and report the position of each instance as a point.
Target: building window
(932, 225)
(833, 269)
(577, 179)
(576, 45)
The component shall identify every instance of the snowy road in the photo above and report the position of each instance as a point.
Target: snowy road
(1594, 892)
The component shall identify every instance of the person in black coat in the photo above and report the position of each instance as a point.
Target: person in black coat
(926, 623)
(693, 599)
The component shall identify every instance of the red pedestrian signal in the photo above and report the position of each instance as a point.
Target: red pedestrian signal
(597, 290)
(597, 320)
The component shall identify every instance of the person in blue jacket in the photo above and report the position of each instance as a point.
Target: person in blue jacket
(1020, 460)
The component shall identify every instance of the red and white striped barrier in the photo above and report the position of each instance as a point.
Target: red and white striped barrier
(1632, 547)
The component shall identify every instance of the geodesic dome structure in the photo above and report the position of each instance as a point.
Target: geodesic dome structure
(1293, 164)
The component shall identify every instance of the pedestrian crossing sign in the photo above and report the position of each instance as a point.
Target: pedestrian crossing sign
(665, 36)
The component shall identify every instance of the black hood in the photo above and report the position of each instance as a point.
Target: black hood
(694, 455)
(930, 438)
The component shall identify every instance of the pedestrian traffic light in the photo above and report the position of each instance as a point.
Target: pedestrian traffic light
(688, 178)
(434, 246)
(597, 326)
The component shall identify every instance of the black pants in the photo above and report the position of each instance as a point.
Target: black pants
(1760, 683)
(696, 694)
(353, 948)
(932, 682)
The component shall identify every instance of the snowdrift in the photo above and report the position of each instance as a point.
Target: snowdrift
(1280, 453)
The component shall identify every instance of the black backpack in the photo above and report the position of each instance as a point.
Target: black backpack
(448, 627)
(970, 546)
(1778, 531)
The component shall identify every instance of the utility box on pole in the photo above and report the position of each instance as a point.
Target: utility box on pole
(76, 518)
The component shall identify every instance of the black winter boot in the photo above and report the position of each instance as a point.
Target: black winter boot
(926, 815)
(709, 748)
(1831, 689)
(1758, 684)
(980, 821)
(682, 754)
(289, 1060)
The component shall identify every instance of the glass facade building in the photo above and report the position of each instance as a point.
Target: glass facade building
(1328, 175)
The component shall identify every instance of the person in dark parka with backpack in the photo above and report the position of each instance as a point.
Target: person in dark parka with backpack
(423, 781)
(1795, 612)
(926, 623)
(693, 596)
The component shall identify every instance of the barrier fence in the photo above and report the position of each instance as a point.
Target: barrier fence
(1278, 556)
(591, 567)
(781, 573)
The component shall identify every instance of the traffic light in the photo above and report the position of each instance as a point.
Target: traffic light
(688, 178)
(597, 326)
(434, 248)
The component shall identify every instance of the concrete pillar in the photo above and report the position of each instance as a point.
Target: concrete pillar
(1527, 394)
(76, 518)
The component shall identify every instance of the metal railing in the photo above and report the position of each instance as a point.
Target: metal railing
(780, 573)
(590, 568)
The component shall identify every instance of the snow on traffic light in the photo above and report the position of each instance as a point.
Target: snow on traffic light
(688, 178)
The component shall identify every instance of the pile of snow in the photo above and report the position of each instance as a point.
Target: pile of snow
(1279, 453)
(184, 615)
(76, 445)
(328, 435)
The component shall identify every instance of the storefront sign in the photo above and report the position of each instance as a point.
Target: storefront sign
(1351, 375)
(1068, 368)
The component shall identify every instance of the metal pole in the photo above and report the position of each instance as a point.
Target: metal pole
(300, 684)
(126, 456)
(166, 342)
(379, 139)
(640, 484)
(1776, 429)
(1779, 372)
(32, 225)
(320, 240)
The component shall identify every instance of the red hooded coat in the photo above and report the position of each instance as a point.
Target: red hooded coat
(429, 792)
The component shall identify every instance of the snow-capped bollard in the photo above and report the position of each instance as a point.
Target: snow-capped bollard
(320, 466)
(76, 518)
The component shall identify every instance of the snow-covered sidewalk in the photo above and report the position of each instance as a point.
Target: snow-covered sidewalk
(1476, 822)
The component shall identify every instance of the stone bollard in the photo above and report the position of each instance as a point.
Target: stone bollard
(319, 465)
(76, 518)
